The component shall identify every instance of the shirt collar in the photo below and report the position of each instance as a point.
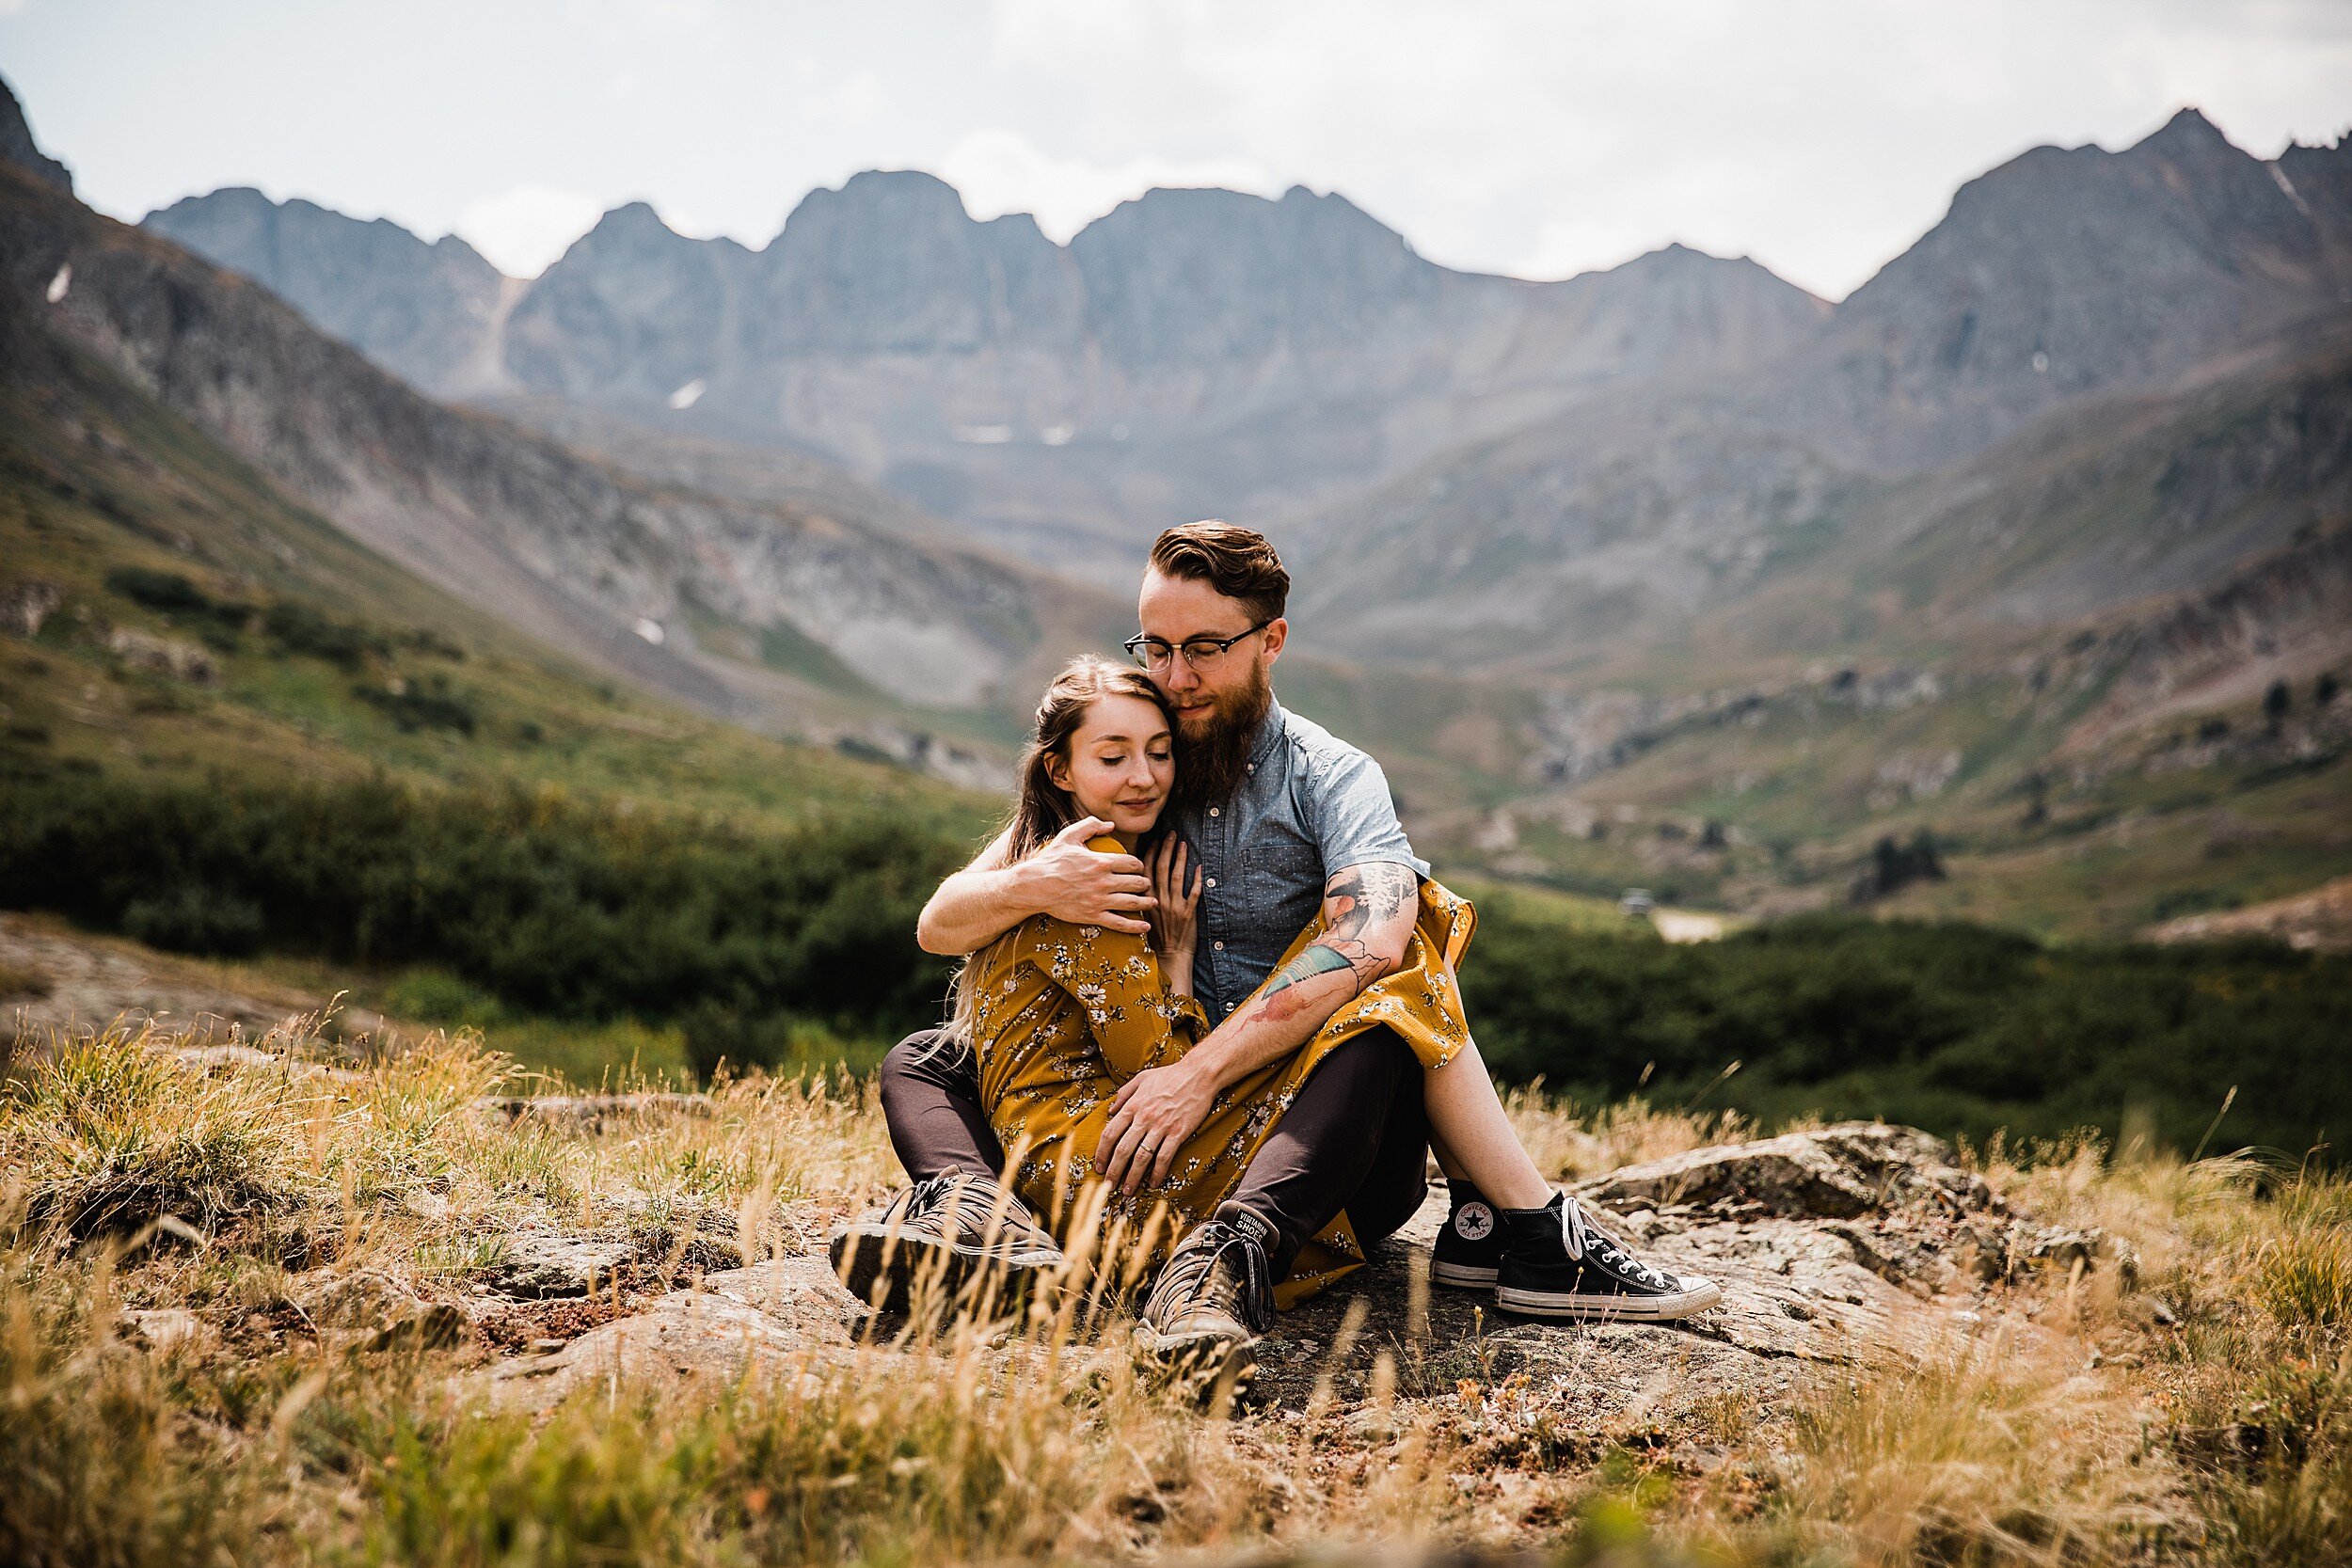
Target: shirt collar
(1269, 731)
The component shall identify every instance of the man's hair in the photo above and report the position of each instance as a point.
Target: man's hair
(1238, 563)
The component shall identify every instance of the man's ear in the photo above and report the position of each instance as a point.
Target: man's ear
(1278, 631)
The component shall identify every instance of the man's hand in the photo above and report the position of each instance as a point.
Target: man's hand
(1086, 887)
(1152, 1116)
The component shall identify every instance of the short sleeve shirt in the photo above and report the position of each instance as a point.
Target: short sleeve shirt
(1309, 805)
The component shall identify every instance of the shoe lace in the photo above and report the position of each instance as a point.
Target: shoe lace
(927, 1197)
(1583, 1238)
(1190, 1276)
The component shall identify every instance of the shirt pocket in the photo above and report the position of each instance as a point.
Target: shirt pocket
(1284, 872)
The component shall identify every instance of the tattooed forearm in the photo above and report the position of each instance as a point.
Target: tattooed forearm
(1359, 901)
(1316, 960)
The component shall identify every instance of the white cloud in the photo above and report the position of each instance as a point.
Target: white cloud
(1541, 136)
(523, 230)
(999, 171)
(1820, 136)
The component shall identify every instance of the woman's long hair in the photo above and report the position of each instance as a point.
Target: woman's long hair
(1042, 808)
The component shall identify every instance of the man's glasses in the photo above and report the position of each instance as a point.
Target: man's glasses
(1201, 654)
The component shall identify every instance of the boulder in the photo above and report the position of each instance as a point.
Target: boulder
(705, 1335)
(1841, 1172)
(1817, 1239)
(537, 1264)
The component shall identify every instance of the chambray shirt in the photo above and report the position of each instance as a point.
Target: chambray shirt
(1309, 805)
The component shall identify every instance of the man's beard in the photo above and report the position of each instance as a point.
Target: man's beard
(1209, 766)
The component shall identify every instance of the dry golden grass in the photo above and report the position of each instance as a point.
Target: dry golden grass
(184, 1377)
(1569, 1144)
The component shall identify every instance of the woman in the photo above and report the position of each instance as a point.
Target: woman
(1060, 1015)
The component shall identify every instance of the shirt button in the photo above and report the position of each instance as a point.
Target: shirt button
(1213, 811)
(1212, 882)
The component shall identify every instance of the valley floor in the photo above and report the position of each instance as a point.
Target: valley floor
(298, 1301)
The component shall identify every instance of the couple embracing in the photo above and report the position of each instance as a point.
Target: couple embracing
(1210, 1011)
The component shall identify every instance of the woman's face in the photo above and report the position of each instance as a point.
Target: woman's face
(1120, 765)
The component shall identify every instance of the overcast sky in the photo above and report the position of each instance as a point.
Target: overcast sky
(1541, 137)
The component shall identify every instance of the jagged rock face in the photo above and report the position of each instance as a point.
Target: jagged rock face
(1211, 278)
(890, 264)
(1192, 352)
(635, 315)
(2067, 272)
(17, 145)
(425, 312)
(563, 547)
(2057, 279)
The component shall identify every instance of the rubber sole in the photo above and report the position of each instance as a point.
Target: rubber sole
(1462, 1276)
(860, 1254)
(1214, 1361)
(1585, 1305)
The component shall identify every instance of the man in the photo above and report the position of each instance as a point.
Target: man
(1280, 817)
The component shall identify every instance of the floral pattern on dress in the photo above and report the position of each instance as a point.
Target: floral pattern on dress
(1066, 1013)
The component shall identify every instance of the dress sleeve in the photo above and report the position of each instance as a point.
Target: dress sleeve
(1134, 1021)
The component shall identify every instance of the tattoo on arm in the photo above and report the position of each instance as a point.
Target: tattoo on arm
(1316, 960)
(1374, 894)
(1365, 895)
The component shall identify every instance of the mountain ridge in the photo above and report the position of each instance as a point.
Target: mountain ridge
(1628, 516)
(1191, 352)
(566, 549)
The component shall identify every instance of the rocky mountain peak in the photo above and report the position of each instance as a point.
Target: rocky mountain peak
(2187, 132)
(632, 228)
(892, 262)
(420, 310)
(2068, 271)
(18, 147)
(887, 196)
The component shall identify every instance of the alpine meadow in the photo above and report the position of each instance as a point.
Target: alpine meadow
(475, 750)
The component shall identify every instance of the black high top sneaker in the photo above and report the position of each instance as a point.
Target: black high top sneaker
(1470, 1248)
(1214, 1298)
(938, 1234)
(1557, 1263)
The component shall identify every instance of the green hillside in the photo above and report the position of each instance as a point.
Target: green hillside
(184, 618)
(2037, 661)
(206, 689)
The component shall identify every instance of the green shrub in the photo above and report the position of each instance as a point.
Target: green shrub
(1960, 1028)
(167, 592)
(427, 705)
(300, 629)
(192, 919)
(552, 906)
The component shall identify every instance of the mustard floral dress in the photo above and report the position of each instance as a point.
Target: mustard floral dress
(1064, 1014)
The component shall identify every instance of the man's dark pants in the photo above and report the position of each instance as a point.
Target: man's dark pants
(1316, 1162)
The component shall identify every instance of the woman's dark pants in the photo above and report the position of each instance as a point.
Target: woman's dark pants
(1316, 1162)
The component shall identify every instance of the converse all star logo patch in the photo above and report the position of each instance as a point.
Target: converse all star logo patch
(1474, 1222)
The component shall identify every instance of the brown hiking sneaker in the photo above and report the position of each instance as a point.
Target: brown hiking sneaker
(1214, 1299)
(938, 1234)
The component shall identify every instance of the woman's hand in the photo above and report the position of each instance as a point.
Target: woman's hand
(1176, 910)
